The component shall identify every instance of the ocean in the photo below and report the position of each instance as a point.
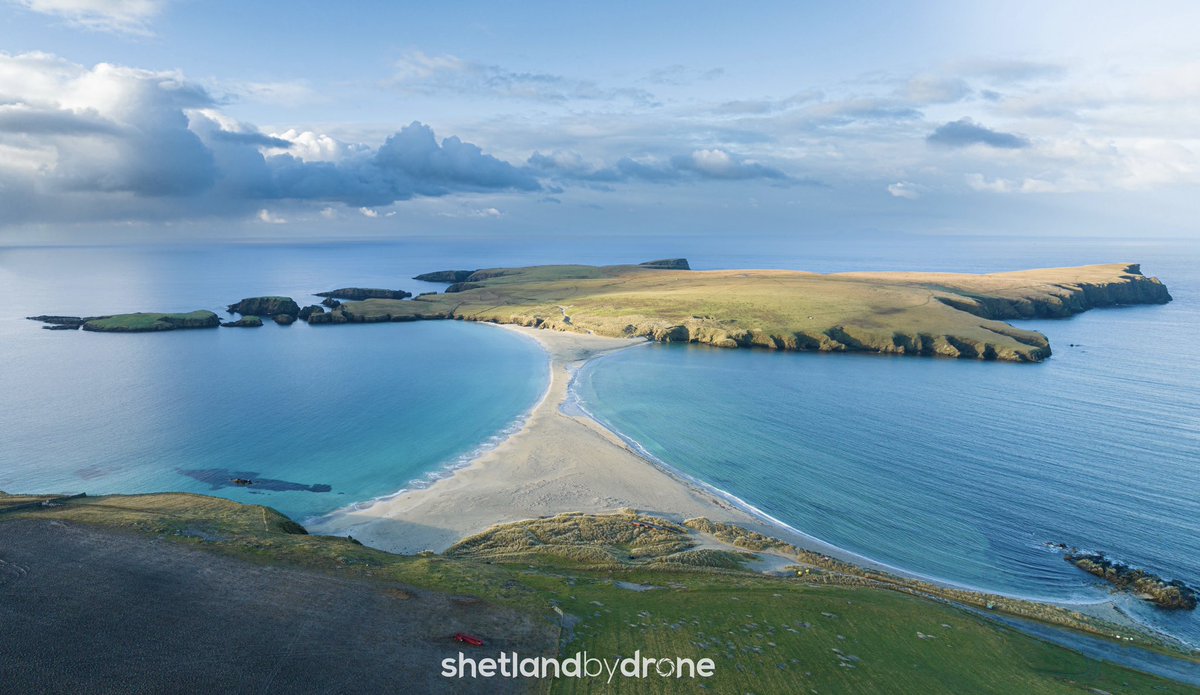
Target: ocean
(958, 471)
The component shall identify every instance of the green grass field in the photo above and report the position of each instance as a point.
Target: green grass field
(766, 634)
(903, 313)
(149, 322)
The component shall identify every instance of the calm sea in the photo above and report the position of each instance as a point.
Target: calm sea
(955, 470)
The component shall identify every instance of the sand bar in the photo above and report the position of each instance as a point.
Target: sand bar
(556, 463)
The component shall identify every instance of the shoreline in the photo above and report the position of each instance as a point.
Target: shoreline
(554, 463)
(557, 461)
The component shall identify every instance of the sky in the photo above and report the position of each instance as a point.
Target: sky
(148, 120)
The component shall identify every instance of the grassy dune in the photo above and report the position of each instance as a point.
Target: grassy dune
(904, 313)
(616, 581)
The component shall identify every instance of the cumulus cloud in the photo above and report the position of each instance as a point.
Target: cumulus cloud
(103, 140)
(965, 132)
(125, 16)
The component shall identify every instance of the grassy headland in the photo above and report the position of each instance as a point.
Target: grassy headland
(952, 315)
(626, 582)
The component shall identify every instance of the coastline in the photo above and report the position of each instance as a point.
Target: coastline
(555, 462)
(559, 458)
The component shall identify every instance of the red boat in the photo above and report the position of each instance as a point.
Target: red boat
(468, 639)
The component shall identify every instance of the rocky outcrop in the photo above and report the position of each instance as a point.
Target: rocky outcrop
(284, 319)
(60, 323)
(330, 302)
(335, 316)
(667, 264)
(1171, 595)
(308, 311)
(265, 306)
(445, 276)
(360, 293)
(244, 322)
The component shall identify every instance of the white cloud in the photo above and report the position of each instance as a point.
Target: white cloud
(111, 142)
(368, 212)
(904, 189)
(265, 215)
(328, 213)
(124, 16)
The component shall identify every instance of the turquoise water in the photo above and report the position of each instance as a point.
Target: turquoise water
(955, 470)
(366, 409)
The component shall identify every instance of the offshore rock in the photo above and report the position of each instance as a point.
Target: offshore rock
(265, 306)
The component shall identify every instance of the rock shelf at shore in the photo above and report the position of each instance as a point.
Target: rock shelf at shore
(1171, 595)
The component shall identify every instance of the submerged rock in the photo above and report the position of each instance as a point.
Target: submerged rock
(1171, 595)
(244, 322)
(284, 319)
(265, 306)
(360, 293)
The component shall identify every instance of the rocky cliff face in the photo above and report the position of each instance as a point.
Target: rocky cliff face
(1065, 299)
(265, 306)
(360, 293)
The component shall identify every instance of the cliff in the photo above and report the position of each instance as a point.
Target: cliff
(952, 315)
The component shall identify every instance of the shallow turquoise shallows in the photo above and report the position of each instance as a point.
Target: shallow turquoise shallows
(319, 417)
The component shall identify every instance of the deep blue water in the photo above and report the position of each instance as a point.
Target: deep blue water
(956, 470)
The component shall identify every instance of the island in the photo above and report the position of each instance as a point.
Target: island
(359, 293)
(945, 314)
(265, 306)
(940, 314)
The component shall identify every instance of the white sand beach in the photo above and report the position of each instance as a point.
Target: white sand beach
(556, 463)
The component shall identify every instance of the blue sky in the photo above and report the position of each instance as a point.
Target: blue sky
(143, 119)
